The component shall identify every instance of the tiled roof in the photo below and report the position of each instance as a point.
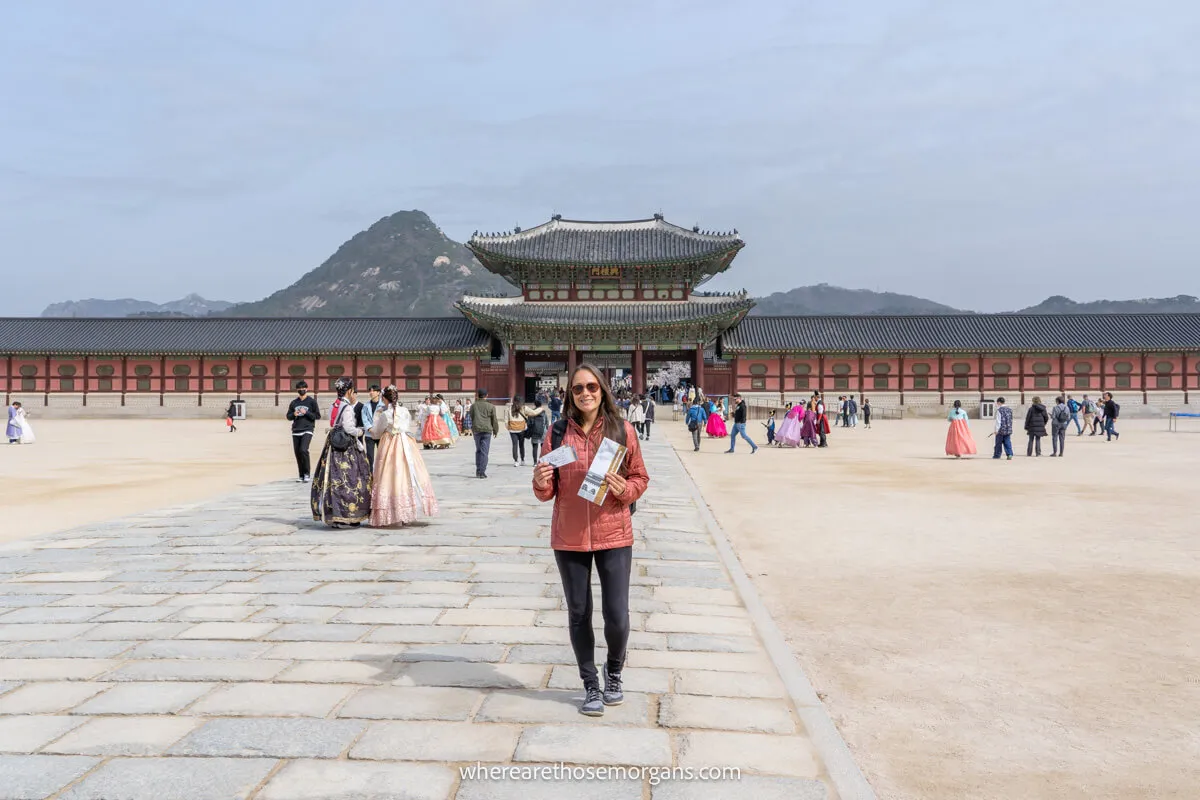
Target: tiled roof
(966, 332)
(639, 242)
(239, 336)
(516, 311)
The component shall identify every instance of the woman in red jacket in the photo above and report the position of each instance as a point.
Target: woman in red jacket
(582, 532)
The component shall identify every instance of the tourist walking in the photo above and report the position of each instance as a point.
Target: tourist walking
(959, 441)
(1074, 407)
(366, 421)
(1036, 419)
(537, 422)
(852, 407)
(1004, 429)
(341, 486)
(770, 426)
(844, 410)
(303, 414)
(434, 431)
(515, 423)
(1060, 418)
(790, 431)
(1098, 422)
(583, 533)
(696, 419)
(556, 405)
(484, 425)
(401, 488)
(866, 412)
(822, 422)
(648, 406)
(1089, 416)
(230, 413)
(739, 425)
(466, 422)
(637, 415)
(1111, 411)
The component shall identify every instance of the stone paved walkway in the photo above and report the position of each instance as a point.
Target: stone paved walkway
(238, 650)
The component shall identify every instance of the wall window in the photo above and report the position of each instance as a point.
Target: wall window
(143, 384)
(105, 371)
(66, 384)
(258, 384)
(373, 371)
(1041, 368)
(1081, 368)
(260, 371)
(28, 381)
(920, 369)
(1123, 367)
(68, 371)
(758, 369)
(1083, 382)
(143, 372)
(1163, 382)
(758, 384)
(920, 383)
(220, 385)
(412, 384)
(880, 382)
(181, 369)
(454, 384)
(1123, 382)
(1001, 368)
(800, 382)
(962, 383)
(183, 384)
(841, 369)
(105, 384)
(1041, 382)
(1000, 383)
(219, 370)
(841, 383)
(412, 370)
(455, 369)
(961, 368)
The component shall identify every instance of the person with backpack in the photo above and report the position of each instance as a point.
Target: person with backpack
(1074, 407)
(648, 413)
(636, 414)
(514, 420)
(583, 533)
(852, 407)
(535, 426)
(1036, 419)
(866, 413)
(1112, 410)
(1060, 418)
(697, 417)
(1089, 416)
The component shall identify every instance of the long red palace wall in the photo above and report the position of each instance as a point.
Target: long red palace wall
(937, 379)
(141, 383)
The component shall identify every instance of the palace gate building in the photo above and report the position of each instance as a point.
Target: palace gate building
(623, 296)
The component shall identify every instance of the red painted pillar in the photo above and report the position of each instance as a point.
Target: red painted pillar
(162, 380)
(572, 360)
(901, 378)
(124, 377)
(46, 397)
(1021, 377)
(639, 371)
(87, 376)
(513, 358)
(1185, 378)
(199, 389)
(782, 389)
(698, 366)
(1145, 399)
(278, 377)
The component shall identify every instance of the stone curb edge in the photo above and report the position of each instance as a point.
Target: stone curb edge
(844, 772)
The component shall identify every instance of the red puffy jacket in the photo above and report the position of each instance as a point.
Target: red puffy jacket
(580, 524)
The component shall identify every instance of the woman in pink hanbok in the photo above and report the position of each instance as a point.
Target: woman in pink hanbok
(401, 490)
(959, 441)
(716, 422)
(788, 434)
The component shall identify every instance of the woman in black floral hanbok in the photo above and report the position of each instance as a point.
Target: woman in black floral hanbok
(341, 483)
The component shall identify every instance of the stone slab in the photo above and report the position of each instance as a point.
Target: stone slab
(558, 706)
(359, 780)
(270, 737)
(436, 741)
(412, 703)
(49, 697)
(271, 700)
(124, 736)
(591, 744)
(725, 713)
(172, 779)
(30, 733)
(722, 684)
(35, 777)
(749, 752)
(481, 675)
(146, 698)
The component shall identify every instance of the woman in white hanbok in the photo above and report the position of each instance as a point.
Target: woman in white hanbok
(402, 490)
(19, 430)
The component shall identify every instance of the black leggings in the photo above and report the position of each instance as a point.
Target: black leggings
(614, 567)
(518, 440)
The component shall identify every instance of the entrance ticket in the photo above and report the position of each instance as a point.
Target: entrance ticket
(561, 457)
(609, 457)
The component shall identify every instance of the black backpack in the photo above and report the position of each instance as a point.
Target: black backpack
(535, 426)
(559, 430)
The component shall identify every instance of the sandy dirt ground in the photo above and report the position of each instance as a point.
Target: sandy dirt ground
(82, 471)
(980, 628)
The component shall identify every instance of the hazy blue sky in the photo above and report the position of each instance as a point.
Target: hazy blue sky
(984, 153)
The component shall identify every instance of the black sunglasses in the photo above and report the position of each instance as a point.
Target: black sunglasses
(580, 388)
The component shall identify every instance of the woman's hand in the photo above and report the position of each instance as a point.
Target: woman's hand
(616, 483)
(543, 476)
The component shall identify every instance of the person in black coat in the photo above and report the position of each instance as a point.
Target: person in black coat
(1036, 420)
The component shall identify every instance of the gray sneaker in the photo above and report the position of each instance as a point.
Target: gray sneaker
(593, 705)
(613, 696)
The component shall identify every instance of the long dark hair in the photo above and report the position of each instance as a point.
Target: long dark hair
(614, 425)
(518, 401)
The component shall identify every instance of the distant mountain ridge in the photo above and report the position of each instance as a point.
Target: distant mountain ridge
(402, 266)
(193, 305)
(1058, 304)
(826, 299)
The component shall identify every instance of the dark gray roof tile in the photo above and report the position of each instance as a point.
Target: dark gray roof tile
(967, 333)
(239, 336)
(637, 242)
(515, 311)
